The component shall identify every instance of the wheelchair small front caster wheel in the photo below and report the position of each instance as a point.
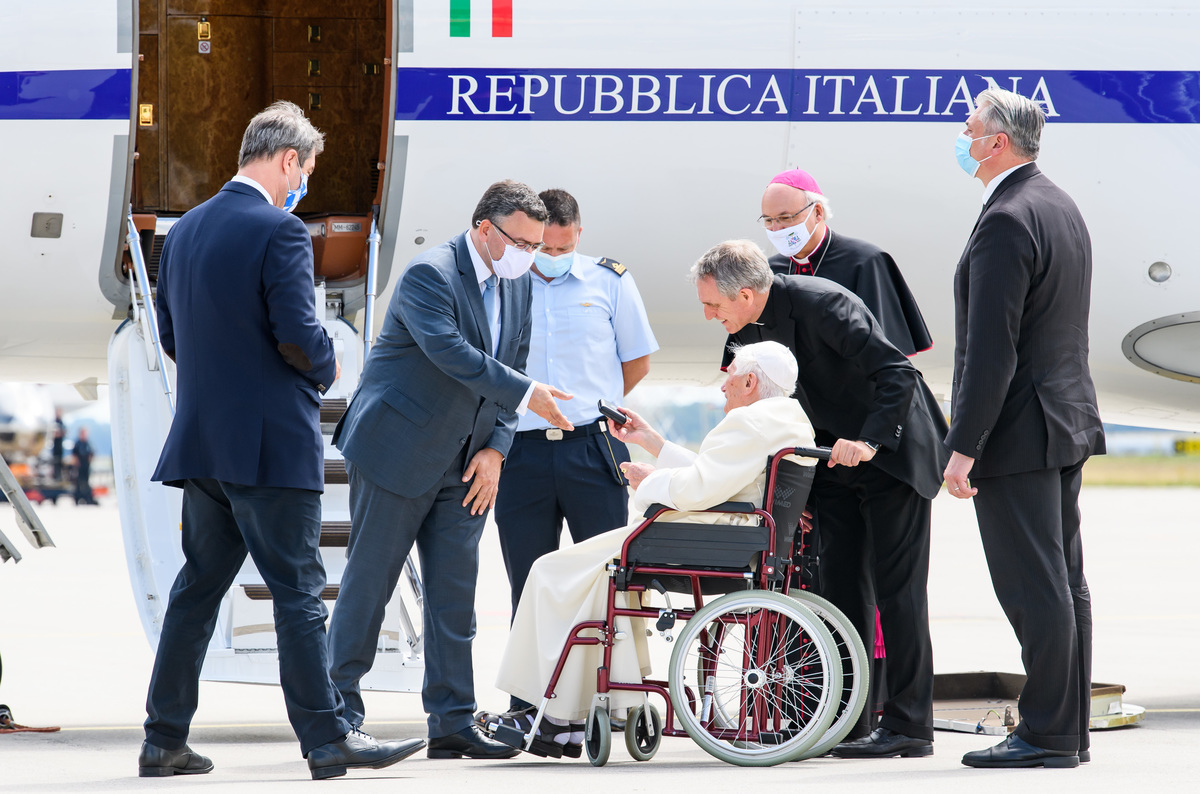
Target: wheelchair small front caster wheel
(597, 738)
(643, 732)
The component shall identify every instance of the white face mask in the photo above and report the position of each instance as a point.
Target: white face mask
(791, 241)
(513, 263)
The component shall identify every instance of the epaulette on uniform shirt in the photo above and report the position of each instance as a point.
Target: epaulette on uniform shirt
(612, 265)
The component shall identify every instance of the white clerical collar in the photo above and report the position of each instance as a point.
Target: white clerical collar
(245, 180)
(824, 234)
(995, 183)
(482, 273)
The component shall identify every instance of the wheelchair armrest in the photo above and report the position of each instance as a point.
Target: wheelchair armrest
(724, 507)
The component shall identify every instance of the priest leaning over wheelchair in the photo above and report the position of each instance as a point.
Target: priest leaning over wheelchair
(570, 586)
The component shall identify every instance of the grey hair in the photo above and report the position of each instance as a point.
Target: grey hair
(817, 198)
(506, 197)
(745, 362)
(1019, 118)
(734, 265)
(280, 127)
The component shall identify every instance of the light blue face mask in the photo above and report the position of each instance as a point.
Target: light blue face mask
(554, 266)
(962, 153)
(294, 196)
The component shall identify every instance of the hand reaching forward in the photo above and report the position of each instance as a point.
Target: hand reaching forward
(542, 403)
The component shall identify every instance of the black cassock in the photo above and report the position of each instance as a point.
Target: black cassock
(872, 275)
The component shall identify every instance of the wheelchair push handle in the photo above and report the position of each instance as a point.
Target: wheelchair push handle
(820, 453)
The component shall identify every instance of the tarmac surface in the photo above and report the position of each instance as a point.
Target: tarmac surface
(74, 655)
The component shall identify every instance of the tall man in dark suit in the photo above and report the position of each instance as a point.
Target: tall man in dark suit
(1024, 420)
(236, 311)
(424, 439)
(867, 401)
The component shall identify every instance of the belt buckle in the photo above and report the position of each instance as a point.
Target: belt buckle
(554, 434)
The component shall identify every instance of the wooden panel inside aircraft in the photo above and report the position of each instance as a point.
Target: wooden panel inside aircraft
(207, 66)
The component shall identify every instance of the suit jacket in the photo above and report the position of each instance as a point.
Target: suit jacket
(1023, 397)
(854, 383)
(870, 273)
(428, 387)
(731, 463)
(237, 311)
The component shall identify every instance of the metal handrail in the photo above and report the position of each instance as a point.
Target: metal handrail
(142, 275)
(373, 241)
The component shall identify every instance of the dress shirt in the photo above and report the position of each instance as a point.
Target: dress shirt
(245, 180)
(482, 274)
(996, 180)
(586, 324)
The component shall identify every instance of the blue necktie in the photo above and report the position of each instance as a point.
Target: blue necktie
(491, 307)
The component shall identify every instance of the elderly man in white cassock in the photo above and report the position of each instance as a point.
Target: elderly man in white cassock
(570, 586)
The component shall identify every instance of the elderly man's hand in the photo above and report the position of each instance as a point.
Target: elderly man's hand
(636, 473)
(485, 469)
(956, 476)
(849, 453)
(637, 430)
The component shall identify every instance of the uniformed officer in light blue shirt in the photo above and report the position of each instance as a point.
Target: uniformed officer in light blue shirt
(590, 337)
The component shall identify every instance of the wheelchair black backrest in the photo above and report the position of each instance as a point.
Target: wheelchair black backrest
(788, 494)
(724, 546)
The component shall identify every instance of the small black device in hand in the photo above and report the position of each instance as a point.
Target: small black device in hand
(612, 412)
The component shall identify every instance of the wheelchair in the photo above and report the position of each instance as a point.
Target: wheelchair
(759, 675)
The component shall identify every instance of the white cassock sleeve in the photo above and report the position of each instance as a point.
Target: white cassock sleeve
(730, 457)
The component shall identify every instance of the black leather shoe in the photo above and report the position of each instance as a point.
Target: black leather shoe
(1085, 756)
(357, 750)
(884, 743)
(157, 762)
(471, 743)
(1016, 752)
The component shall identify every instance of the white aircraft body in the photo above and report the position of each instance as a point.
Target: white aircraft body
(664, 119)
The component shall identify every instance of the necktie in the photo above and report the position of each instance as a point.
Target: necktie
(491, 306)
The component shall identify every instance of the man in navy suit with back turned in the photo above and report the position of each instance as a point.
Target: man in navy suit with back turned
(236, 311)
(424, 438)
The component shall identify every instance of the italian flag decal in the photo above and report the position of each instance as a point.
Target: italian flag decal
(460, 18)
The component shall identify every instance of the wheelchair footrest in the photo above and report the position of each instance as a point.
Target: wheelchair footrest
(515, 738)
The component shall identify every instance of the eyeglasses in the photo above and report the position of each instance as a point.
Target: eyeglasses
(783, 220)
(526, 247)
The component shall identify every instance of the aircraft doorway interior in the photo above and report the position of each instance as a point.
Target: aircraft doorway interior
(205, 67)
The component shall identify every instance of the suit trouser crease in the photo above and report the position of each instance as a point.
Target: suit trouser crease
(385, 526)
(1030, 527)
(280, 529)
(874, 546)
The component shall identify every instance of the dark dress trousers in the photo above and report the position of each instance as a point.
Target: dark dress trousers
(236, 310)
(1025, 408)
(431, 396)
(874, 518)
(870, 273)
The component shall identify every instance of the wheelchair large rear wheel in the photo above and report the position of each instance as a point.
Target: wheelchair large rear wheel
(856, 668)
(765, 676)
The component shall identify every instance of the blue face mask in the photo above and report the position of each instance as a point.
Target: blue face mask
(294, 196)
(554, 266)
(962, 153)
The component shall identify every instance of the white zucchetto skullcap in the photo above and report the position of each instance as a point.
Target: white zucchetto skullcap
(775, 360)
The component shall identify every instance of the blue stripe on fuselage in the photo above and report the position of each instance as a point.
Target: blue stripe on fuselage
(792, 95)
(66, 94)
